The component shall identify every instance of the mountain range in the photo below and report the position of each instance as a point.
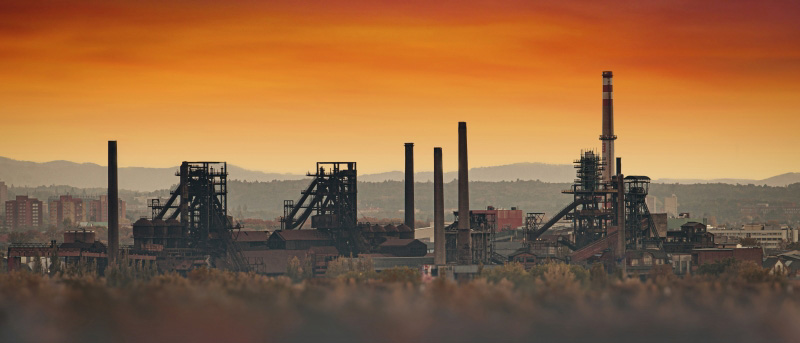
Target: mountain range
(89, 175)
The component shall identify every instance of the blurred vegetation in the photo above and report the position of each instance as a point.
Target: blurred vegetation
(357, 269)
(506, 303)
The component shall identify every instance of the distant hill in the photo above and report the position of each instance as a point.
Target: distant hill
(775, 181)
(89, 175)
(556, 173)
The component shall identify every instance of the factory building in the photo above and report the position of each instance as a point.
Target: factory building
(78, 245)
(770, 238)
(711, 255)
(504, 220)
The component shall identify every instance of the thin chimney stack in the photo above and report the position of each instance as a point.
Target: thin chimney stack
(410, 186)
(463, 239)
(440, 254)
(113, 203)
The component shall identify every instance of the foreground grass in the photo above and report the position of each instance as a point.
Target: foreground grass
(552, 303)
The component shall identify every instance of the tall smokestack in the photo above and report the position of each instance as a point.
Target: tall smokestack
(608, 136)
(113, 203)
(440, 255)
(621, 216)
(463, 240)
(410, 185)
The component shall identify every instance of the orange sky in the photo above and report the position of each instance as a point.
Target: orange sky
(701, 91)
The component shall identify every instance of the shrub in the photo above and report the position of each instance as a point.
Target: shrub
(732, 270)
(598, 275)
(662, 274)
(513, 272)
(353, 268)
(401, 275)
(716, 268)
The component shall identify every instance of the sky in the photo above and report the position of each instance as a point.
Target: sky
(702, 89)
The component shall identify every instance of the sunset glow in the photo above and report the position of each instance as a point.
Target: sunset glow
(701, 90)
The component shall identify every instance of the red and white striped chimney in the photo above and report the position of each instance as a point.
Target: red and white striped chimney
(608, 136)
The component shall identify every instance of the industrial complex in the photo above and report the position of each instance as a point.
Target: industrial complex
(609, 222)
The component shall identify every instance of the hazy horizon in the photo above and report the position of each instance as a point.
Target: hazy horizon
(138, 178)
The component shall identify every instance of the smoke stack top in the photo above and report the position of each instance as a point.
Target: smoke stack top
(607, 137)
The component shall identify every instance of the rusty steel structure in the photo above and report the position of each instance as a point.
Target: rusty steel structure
(608, 210)
(482, 230)
(193, 224)
(533, 220)
(601, 211)
(591, 217)
(330, 200)
(640, 231)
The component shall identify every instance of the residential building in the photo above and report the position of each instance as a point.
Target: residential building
(98, 210)
(64, 208)
(652, 204)
(3, 194)
(671, 206)
(23, 212)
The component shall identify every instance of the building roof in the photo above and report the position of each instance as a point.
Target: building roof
(640, 253)
(324, 250)
(143, 222)
(83, 246)
(794, 255)
(390, 228)
(251, 236)
(770, 262)
(401, 242)
(521, 251)
(302, 235)
(404, 228)
(693, 224)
